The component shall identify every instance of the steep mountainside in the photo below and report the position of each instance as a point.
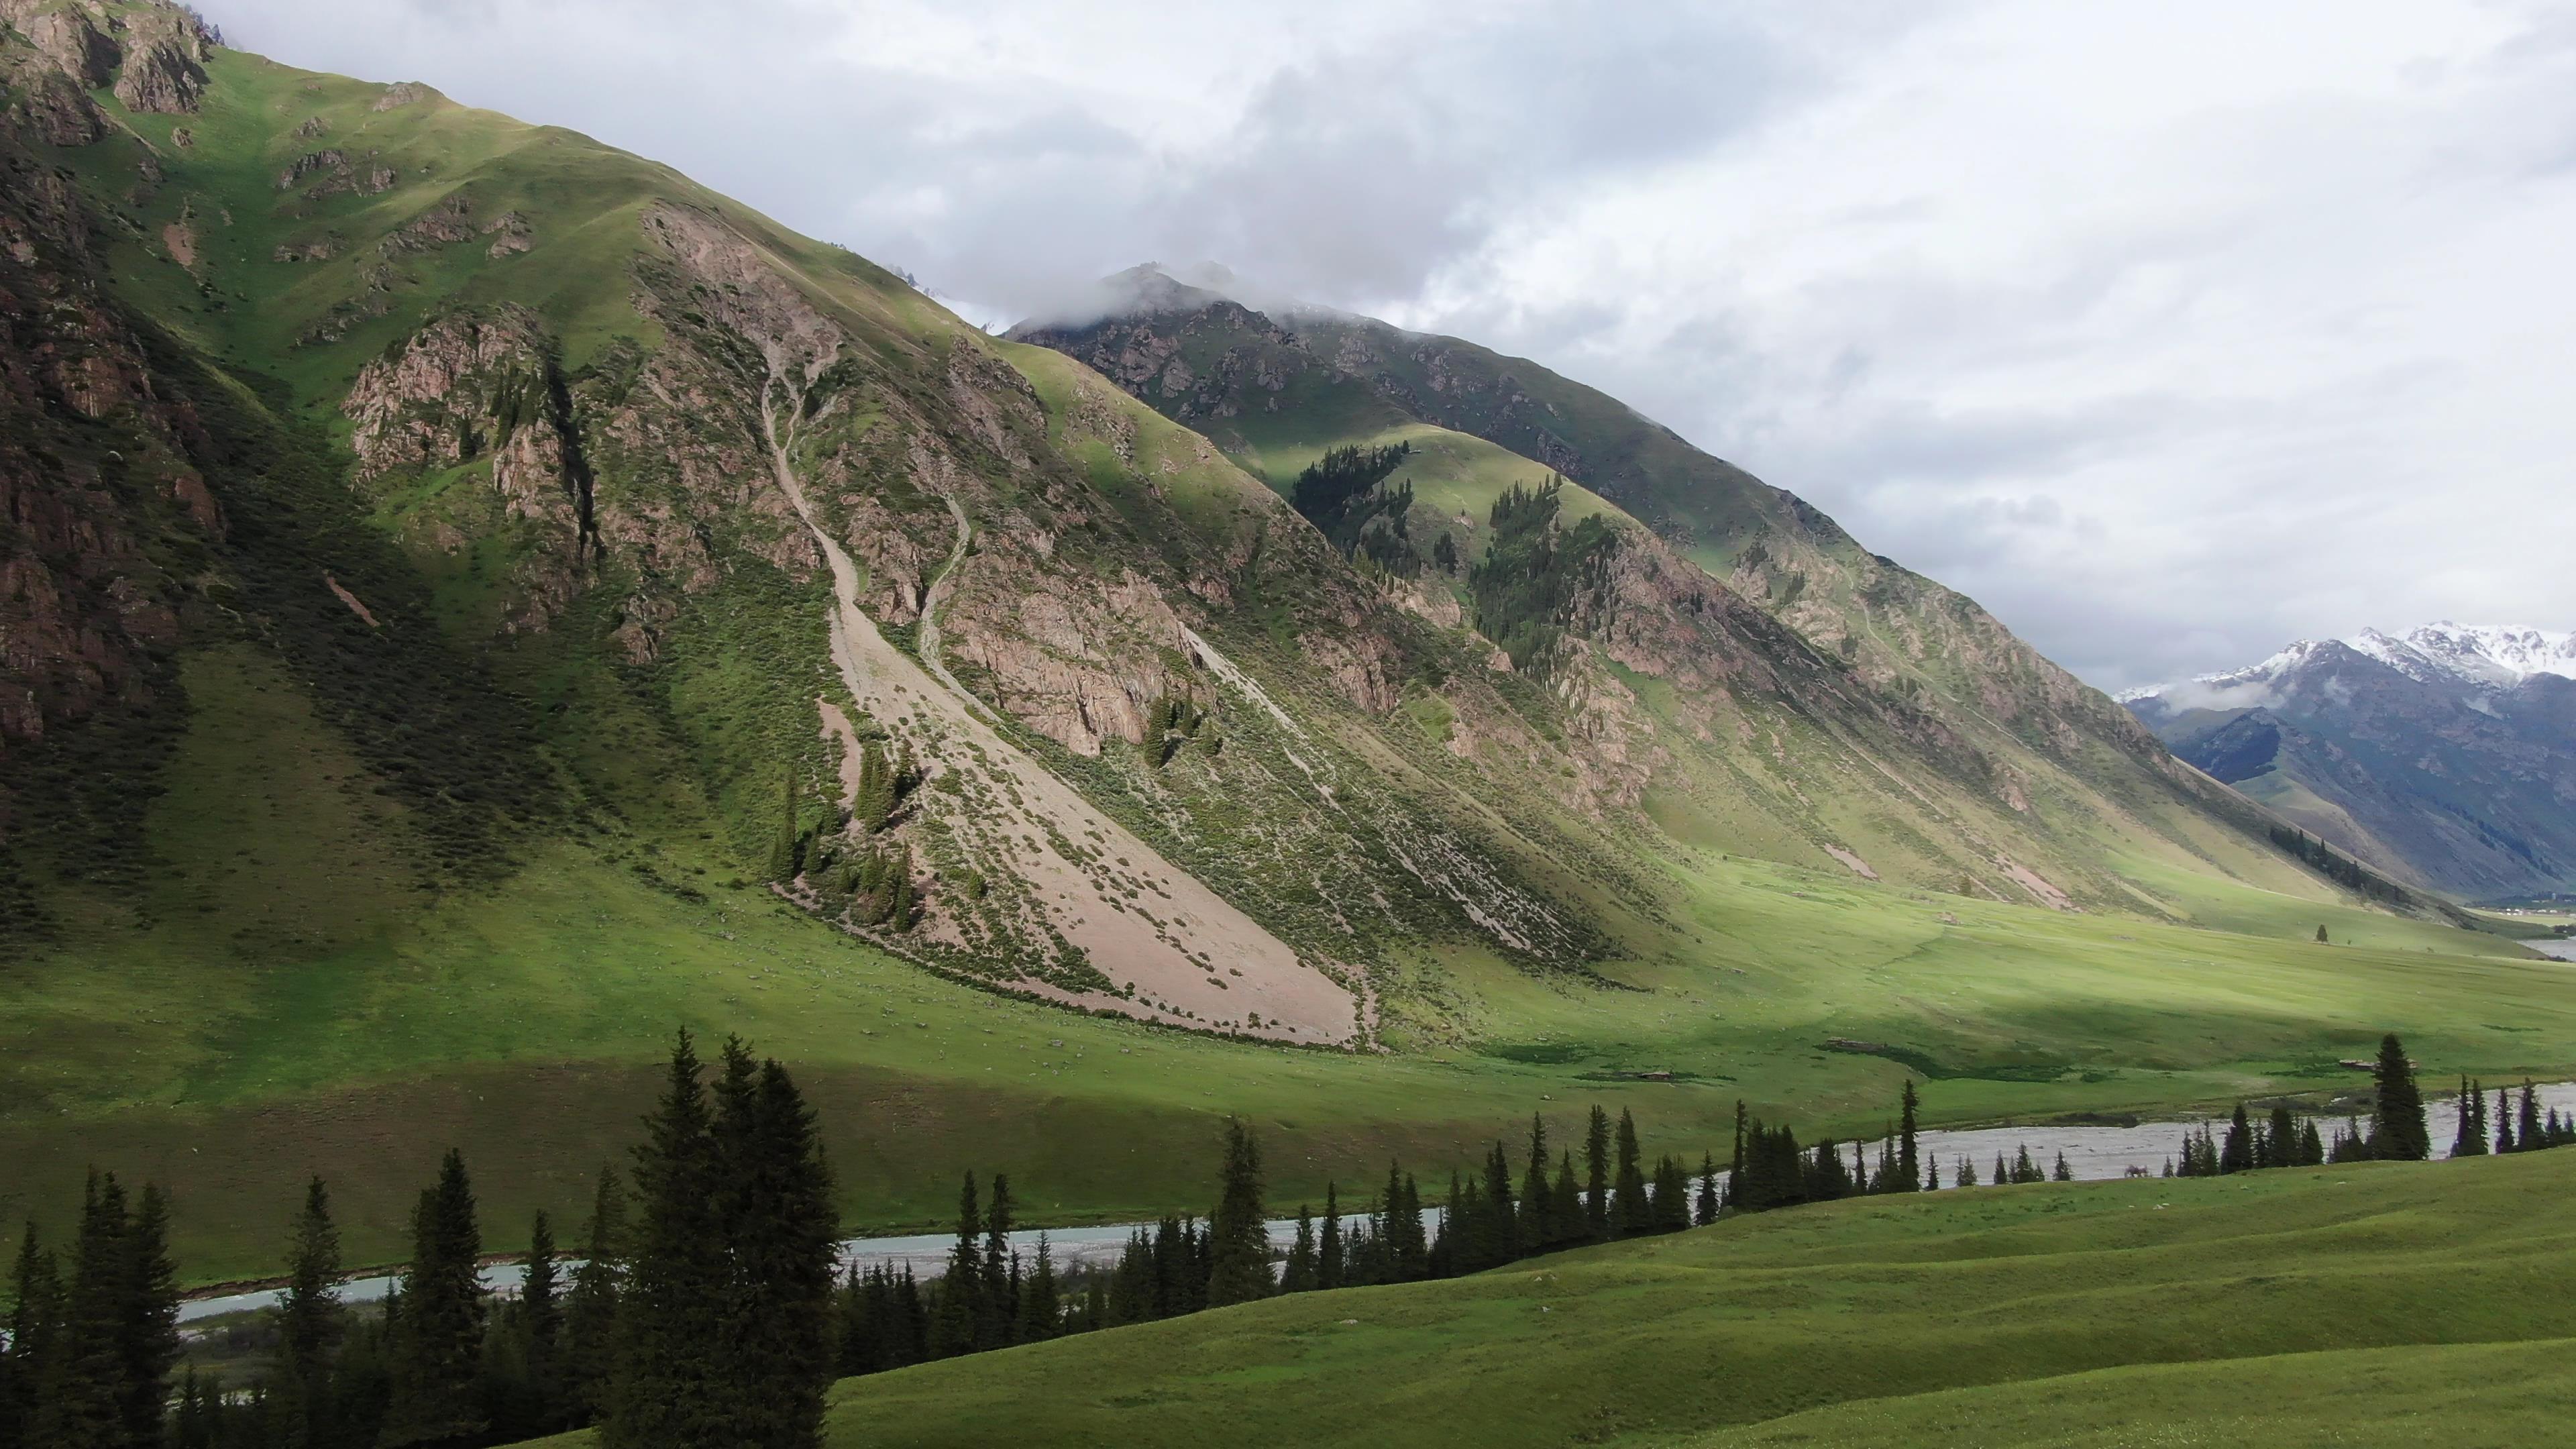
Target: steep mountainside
(472, 599)
(2032, 770)
(2446, 757)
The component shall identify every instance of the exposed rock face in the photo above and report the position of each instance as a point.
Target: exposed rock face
(161, 75)
(68, 39)
(86, 610)
(402, 93)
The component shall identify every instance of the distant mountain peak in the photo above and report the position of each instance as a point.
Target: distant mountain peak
(2483, 657)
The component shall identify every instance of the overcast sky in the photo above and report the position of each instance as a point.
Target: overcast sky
(2169, 331)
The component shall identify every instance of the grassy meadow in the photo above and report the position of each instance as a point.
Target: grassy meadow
(2362, 1305)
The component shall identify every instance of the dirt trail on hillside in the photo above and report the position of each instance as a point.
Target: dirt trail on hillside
(1189, 957)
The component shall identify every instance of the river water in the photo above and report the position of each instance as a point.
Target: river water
(2092, 1153)
(2562, 947)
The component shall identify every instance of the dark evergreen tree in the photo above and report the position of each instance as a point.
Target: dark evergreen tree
(1672, 1195)
(2062, 1173)
(997, 1293)
(2504, 1121)
(2003, 1174)
(310, 1326)
(1931, 1174)
(436, 1353)
(1909, 1162)
(590, 1310)
(1635, 1213)
(147, 1330)
(2470, 1137)
(2397, 1131)
(1238, 1231)
(1538, 1227)
(1297, 1275)
(1566, 1203)
(2526, 1124)
(667, 1391)
(82, 1398)
(1735, 1160)
(32, 1361)
(2281, 1139)
(952, 1325)
(2238, 1154)
(782, 846)
(1330, 1260)
(1704, 1211)
(1041, 1304)
(1596, 1168)
(1967, 1173)
(2312, 1152)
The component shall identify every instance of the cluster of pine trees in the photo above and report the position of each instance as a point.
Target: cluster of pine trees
(2279, 1141)
(1769, 1169)
(1525, 589)
(92, 1341)
(2528, 1129)
(873, 877)
(1174, 720)
(703, 1315)
(1344, 495)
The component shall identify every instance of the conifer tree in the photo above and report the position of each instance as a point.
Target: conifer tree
(1635, 1213)
(1596, 1167)
(438, 1336)
(666, 1391)
(1238, 1231)
(2238, 1154)
(1041, 1309)
(2281, 1140)
(31, 1361)
(1538, 1228)
(1931, 1174)
(1909, 1171)
(2470, 1138)
(2063, 1173)
(1329, 1259)
(1297, 1275)
(1704, 1210)
(1735, 1161)
(952, 1327)
(310, 1324)
(2504, 1121)
(2397, 1132)
(147, 1328)
(2003, 1174)
(997, 1305)
(590, 1310)
(2526, 1126)
(84, 1407)
(1968, 1172)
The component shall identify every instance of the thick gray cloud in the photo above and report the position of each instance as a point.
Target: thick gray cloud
(2169, 332)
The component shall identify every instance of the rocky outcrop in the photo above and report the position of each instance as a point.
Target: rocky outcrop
(160, 75)
(402, 93)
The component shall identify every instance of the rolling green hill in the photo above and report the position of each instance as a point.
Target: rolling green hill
(2382, 1304)
(466, 584)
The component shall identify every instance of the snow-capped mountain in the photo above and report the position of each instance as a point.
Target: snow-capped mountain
(2485, 657)
(2445, 755)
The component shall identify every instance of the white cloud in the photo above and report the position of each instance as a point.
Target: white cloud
(2170, 332)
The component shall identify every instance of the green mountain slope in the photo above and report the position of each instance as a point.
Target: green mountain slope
(470, 593)
(2289, 1307)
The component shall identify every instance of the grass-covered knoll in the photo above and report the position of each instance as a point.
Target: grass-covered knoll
(2222, 1311)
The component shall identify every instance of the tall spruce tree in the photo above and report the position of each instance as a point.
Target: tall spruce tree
(1297, 1275)
(2470, 1137)
(438, 1335)
(83, 1392)
(2504, 1121)
(1538, 1227)
(1635, 1212)
(1238, 1231)
(2526, 1123)
(1596, 1168)
(666, 1392)
(31, 1360)
(590, 1310)
(1041, 1304)
(952, 1325)
(782, 846)
(997, 1295)
(2397, 1131)
(1909, 1161)
(1704, 1211)
(310, 1325)
(1329, 1259)
(147, 1330)
(2281, 1139)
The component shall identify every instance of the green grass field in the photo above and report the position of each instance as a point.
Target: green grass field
(2371, 1305)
